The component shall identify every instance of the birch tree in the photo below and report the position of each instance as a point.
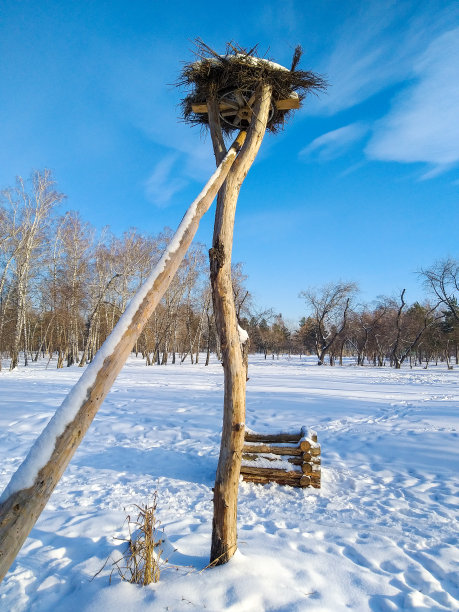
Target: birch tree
(330, 306)
(34, 204)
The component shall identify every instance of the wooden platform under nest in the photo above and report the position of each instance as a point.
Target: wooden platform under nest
(286, 458)
(293, 102)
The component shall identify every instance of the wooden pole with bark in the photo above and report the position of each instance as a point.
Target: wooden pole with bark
(240, 89)
(31, 486)
(224, 528)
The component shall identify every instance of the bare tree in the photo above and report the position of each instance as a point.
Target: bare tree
(34, 206)
(9, 246)
(409, 328)
(74, 279)
(442, 279)
(361, 329)
(330, 307)
(241, 295)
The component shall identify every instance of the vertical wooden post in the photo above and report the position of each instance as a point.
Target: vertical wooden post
(224, 528)
(31, 486)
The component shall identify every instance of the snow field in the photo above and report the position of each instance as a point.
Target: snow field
(381, 534)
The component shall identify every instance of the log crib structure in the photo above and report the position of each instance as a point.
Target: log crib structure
(286, 458)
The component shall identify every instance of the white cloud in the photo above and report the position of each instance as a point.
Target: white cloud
(334, 143)
(160, 187)
(423, 125)
(376, 47)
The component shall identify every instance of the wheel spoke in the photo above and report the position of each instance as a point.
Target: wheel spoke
(236, 107)
(229, 102)
(244, 97)
(252, 100)
(240, 99)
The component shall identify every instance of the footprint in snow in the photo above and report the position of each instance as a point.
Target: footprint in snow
(421, 580)
(391, 567)
(357, 558)
(307, 550)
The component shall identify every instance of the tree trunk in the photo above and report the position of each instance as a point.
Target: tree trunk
(224, 527)
(19, 326)
(208, 338)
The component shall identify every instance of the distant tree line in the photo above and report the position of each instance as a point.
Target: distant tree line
(389, 332)
(63, 287)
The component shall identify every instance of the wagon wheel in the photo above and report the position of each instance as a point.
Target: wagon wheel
(236, 107)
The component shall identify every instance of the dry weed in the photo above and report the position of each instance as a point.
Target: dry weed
(141, 561)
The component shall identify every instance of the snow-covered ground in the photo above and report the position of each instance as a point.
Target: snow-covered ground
(381, 534)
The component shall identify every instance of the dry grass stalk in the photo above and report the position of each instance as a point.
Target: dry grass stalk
(141, 561)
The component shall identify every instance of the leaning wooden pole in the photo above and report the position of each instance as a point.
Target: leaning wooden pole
(224, 528)
(31, 486)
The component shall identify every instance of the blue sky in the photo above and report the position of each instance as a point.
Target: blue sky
(362, 185)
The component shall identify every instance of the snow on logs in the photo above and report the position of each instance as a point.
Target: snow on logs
(286, 458)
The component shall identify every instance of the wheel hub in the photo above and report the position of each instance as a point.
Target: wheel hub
(236, 107)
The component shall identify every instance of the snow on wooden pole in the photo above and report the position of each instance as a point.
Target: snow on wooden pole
(32, 484)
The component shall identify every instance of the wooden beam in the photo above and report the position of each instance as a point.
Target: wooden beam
(275, 450)
(271, 472)
(287, 104)
(251, 436)
(21, 505)
(294, 481)
(292, 103)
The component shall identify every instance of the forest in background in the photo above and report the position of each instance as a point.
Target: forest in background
(64, 285)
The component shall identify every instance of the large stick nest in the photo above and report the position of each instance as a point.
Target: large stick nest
(213, 75)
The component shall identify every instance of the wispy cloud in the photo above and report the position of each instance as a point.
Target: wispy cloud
(423, 124)
(281, 17)
(139, 82)
(334, 143)
(353, 168)
(376, 47)
(160, 187)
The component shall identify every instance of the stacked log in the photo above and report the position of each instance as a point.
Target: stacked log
(286, 458)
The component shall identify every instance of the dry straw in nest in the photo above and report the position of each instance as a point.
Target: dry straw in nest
(240, 69)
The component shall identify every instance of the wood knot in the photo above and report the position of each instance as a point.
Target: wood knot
(217, 255)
